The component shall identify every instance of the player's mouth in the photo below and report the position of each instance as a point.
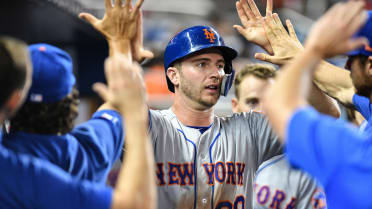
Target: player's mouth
(212, 88)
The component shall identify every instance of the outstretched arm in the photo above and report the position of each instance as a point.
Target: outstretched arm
(288, 92)
(136, 184)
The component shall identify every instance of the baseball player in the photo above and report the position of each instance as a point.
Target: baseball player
(277, 185)
(203, 161)
(332, 151)
(87, 151)
(28, 182)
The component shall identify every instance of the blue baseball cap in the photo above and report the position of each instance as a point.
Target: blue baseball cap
(365, 31)
(52, 76)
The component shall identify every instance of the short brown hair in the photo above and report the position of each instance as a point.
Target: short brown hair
(261, 71)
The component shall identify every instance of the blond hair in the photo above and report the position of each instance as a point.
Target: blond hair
(261, 71)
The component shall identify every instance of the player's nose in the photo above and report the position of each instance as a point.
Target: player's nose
(217, 73)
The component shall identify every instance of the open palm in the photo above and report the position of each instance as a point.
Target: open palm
(119, 22)
(252, 28)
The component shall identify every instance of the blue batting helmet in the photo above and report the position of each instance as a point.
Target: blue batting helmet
(194, 39)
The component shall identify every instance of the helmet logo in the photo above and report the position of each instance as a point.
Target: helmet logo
(209, 35)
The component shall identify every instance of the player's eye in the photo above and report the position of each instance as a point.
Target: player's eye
(252, 102)
(221, 66)
(202, 65)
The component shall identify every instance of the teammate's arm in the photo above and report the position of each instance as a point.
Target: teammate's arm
(269, 33)
(332, 80)
(287, 94)
(136, 184)
(336, 82)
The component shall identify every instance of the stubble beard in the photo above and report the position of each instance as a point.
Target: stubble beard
(189, 90)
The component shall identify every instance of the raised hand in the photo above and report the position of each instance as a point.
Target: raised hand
(138, 52)
(345, 19)
(252, 28)
(119, 21)
(125, 89)
(285, 45)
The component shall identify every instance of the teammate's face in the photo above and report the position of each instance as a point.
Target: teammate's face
(359, 76)
(251, 90)
(201, 76)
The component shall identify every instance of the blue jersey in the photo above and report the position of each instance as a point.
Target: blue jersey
(336, 154)
(87, 152)
(363, 106)
(28, 182)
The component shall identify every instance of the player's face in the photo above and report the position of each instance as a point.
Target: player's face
(201, 76)
(359, 76)
(251, 90)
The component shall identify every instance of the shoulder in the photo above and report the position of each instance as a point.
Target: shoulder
(276, 161)
(244, 117)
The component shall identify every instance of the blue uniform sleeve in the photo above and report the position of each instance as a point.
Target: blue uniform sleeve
(335, 153)
(28, 182)
(101, 139)
(362, 105)
(320, 144)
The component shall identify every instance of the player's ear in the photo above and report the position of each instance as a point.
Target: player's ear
(234, 104)
(369, 66)
(173, 75)
(13, 103)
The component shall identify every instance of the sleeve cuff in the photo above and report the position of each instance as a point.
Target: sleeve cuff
(110, 115)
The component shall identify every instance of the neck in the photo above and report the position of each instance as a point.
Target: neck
(190, 116)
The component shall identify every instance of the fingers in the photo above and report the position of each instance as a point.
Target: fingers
(102, 90)
(138, 37)
(269, 6)
(271, 59)
(261, 56)
(108, 5)
(270, 34)
(254, 9)
(357, 22)
(239, 28)
(89, 18)
(118, 3)
(292, 32)
(128, 4)
(247, 10)
(147, 54)
(357, 43)
(242, 15)
(138, 6)
(279, 24)
(352, 9)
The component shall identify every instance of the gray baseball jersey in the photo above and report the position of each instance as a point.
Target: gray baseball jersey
(280, 186)
(214, 169)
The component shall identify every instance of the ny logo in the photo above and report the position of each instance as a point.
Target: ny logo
(209, 35)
